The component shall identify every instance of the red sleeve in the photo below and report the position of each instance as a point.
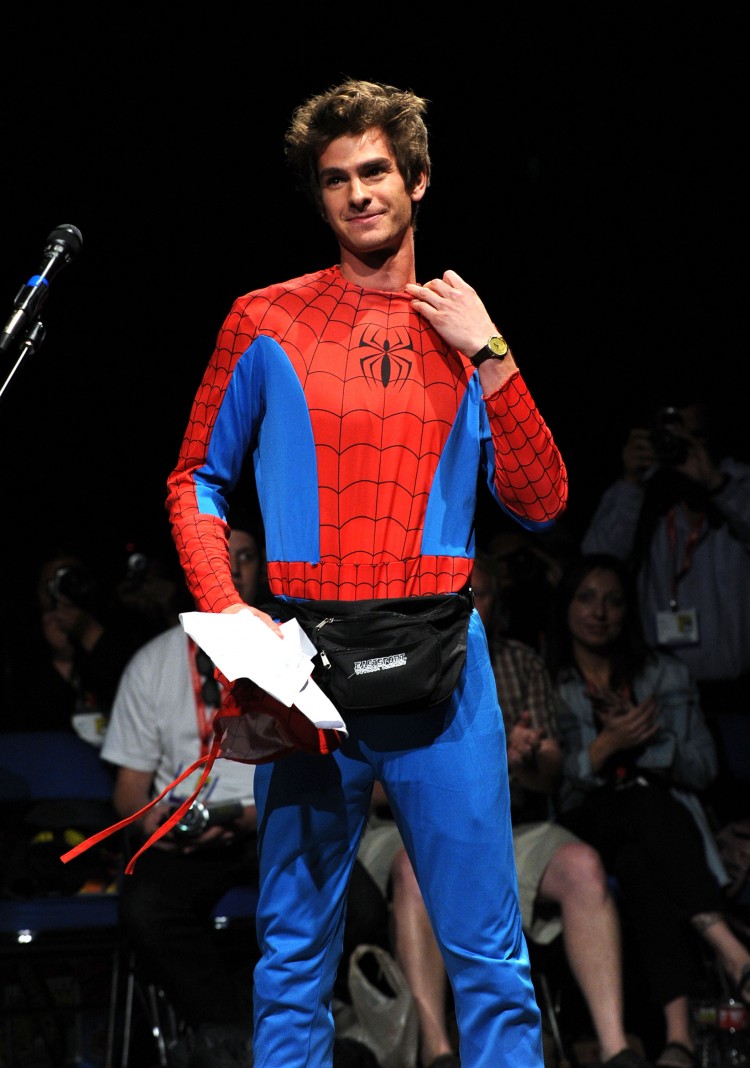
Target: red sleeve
(201, 538)
(530, 476)
(201, 542)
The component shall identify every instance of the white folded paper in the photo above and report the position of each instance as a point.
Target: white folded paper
(243, 647)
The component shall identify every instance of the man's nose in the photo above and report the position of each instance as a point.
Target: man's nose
(358, 192)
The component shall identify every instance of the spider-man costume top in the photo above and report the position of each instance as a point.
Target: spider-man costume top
(367, 434)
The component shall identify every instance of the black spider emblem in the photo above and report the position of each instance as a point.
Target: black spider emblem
(387, 361)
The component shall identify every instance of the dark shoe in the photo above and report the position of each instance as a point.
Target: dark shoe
(626, 1058)
(676, 1055)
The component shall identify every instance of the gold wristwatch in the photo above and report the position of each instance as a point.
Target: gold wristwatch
(496, 348)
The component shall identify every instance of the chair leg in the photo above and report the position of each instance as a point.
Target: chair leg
(109, 1061)
(157, 1029)
(550, 1011)
(127, 1019)
(161, 1018)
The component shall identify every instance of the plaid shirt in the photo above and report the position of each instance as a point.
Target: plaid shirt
(524, 685)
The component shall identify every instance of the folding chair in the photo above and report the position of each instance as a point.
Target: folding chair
(236, 909)
(49, 945)
(551, 978)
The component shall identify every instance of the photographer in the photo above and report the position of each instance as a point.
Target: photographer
(62, 669)
(680, 514)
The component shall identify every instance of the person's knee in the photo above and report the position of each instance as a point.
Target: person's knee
(576, 870)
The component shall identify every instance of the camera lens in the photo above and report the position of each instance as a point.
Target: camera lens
(194, 822)
(669, 447)
(74, 583)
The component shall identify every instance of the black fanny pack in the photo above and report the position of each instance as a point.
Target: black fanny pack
(397, 655)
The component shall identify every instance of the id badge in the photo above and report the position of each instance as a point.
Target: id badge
(678, 627)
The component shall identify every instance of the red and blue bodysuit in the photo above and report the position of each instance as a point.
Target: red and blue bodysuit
(367, 434)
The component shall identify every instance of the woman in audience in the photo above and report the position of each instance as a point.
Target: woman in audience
(637, 754)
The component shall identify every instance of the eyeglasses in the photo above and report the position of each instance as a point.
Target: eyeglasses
(210, 691)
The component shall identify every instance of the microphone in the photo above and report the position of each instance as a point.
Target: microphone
(61, 246)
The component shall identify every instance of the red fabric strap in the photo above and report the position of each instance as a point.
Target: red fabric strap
(207, 763)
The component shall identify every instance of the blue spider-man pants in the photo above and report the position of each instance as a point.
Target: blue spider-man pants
(445, 774)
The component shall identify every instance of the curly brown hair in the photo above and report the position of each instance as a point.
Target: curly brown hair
(351, 108)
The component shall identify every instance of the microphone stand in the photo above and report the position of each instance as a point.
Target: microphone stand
(30, 342)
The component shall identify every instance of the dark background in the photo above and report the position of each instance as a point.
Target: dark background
(586, 180)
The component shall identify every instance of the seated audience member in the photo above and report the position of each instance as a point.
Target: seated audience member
(161, 723)
(680, 515)
(636, 755)
(554, 867)
(62, 670)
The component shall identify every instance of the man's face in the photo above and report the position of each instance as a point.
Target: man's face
(245, 562)
(365, 200)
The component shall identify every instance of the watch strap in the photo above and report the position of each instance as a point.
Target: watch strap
(495, 348)
(485, 353)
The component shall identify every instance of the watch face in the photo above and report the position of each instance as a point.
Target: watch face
(498, 344)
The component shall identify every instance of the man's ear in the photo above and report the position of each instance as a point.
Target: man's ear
(419, 188)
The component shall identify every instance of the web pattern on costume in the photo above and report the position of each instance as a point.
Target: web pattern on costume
(371, 360)
(375, 377)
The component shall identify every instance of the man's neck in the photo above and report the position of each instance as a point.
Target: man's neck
(389, 270)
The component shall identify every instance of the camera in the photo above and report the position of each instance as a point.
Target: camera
(669, 447)
(136, 570)
(200, 817)
(73, 582)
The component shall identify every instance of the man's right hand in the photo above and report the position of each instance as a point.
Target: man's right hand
(638, 455)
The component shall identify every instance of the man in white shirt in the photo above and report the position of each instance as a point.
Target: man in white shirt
(160, 725)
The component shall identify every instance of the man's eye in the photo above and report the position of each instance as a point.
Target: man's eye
(246, 557)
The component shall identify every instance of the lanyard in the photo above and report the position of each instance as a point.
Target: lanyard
(204, 712)
(687, 559)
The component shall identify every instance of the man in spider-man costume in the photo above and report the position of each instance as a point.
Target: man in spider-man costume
(368, 404)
